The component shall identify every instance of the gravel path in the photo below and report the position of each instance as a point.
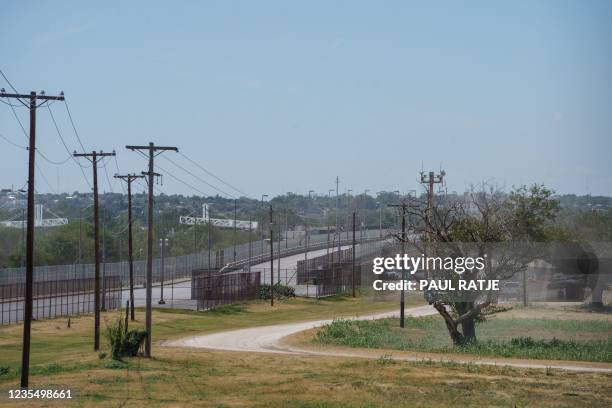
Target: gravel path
(270, 339)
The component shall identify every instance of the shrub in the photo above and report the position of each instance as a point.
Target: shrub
(4, 370)
(280, 291)
(124, 343)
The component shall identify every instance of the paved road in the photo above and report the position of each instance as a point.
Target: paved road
(176, 294)
(270, 339)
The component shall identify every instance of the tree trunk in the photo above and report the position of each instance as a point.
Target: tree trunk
(468, 327)
(451, 325)
(601, 282)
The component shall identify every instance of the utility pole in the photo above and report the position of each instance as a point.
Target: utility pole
(430, 179)
(353, 265)
(403, 238)
(29, 101)
(128, 178)
(271, 259)
(151, 148)
(94, 158)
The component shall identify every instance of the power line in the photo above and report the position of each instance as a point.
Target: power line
(48, 160)
(181, 181)
(12, 143)
(40, 172)
(72, 123)
(10, 104)
(59, 133)
(8, 82)
(40, 153)
(199, 178)
(42, 175)
(108, 180)
(119, 172)
(213, 175)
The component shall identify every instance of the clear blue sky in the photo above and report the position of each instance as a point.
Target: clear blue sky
(277, 96)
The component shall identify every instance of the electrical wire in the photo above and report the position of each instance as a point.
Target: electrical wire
(108, 180)
(42, 175)
(198, 178)
(40, 153)
(72, 123)
(119, 172)
(12, 143)
(213, 175)
(8, 82)
(181, 181)
(10, 104)
(57, 163)
(59, 133)
(14, 90)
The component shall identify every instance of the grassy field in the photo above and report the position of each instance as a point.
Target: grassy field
(192, 377)
(53, 340)
(62, 358)
(545, 339)
(541, 331)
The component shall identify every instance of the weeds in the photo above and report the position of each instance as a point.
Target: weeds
(426, 335)
(124, 343)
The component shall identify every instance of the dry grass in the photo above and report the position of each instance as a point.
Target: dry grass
(62, 358)
(186, 377)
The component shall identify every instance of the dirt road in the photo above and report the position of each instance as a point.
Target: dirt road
(270, 339)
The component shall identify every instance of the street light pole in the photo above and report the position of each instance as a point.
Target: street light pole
(327, 221)
(378, 193)
(364, 218)
(163, 243)
(262, 225)
(348, 212)
(306, 222)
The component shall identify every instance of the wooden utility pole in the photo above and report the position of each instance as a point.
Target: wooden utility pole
(151, 149)
(30, 101)
(94, 157)
(271, 258)
(403, 239)
(128, 178)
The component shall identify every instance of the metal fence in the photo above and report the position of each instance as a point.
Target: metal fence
(211, 288)
(61, 290)
(59, 297)
(312, 270)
